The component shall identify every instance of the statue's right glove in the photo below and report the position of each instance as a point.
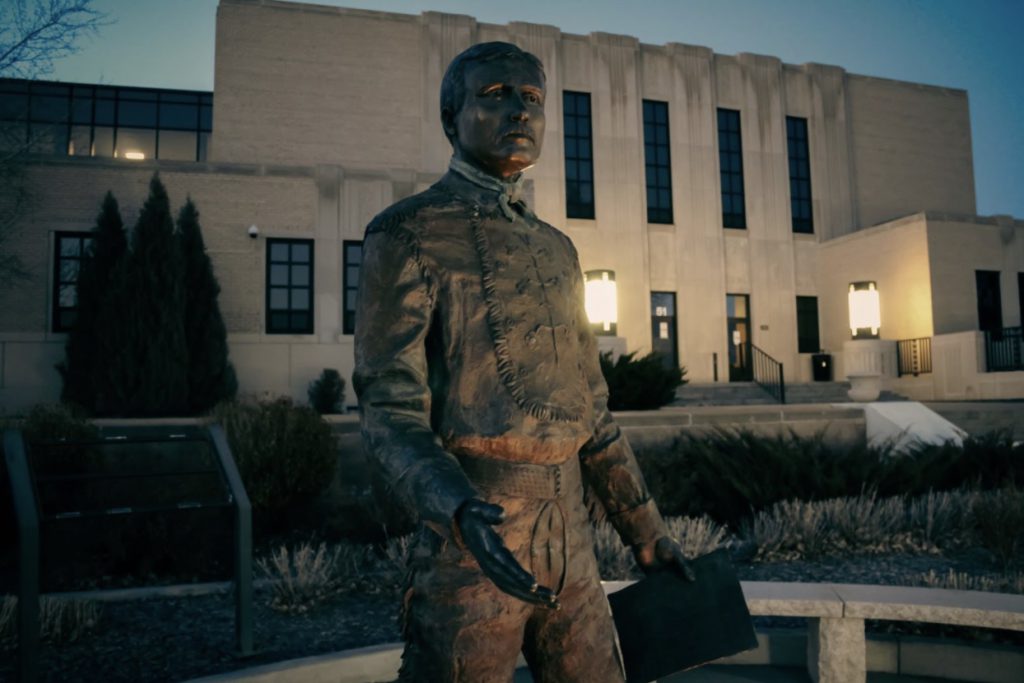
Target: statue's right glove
(475, 519)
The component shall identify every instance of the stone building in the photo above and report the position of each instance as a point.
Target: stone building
(734, 198)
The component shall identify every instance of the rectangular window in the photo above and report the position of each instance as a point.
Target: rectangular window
(579, 155)
(353, 259)
(70, 250)
(289, 286)
(990, 300)
(807, 324)
(730, 161)
(799, 174)
(85, 120)
(657, 162)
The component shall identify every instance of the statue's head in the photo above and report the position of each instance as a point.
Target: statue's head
(492, 108)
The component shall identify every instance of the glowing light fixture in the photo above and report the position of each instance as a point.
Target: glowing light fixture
(135, 156)
(865, 310)
(601, 301)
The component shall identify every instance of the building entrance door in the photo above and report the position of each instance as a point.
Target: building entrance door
(738, 315)
(663, 327)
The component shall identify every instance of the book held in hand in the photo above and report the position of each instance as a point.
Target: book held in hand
(668, 624)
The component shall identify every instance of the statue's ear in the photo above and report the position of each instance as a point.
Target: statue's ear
(448, 122)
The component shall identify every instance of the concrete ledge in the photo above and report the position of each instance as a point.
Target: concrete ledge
(940, 606)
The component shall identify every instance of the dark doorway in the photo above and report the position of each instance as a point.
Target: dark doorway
(990, 302)
(663, 327)
(738, 314)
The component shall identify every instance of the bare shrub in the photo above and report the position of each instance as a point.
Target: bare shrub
(697, 535)
(942, 519)
(60, 620)
(789, 530)
(999, 521)
(962, 581)
(614, 560)
(302, 578)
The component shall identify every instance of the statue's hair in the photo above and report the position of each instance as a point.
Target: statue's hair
(453, 85)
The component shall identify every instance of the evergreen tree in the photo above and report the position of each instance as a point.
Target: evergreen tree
(80, 370)
(149, 373)
(211, 378)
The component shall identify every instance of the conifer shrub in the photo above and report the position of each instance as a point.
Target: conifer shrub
(327, 393)
(285, 454)
(87, 340)
(211, 377)
(640, 383)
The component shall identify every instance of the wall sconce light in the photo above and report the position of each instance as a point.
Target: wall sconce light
(601, 301)
(865, 310)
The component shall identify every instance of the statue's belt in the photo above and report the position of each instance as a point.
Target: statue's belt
(523, 479)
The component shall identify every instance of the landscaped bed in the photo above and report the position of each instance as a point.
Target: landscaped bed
(788, 509)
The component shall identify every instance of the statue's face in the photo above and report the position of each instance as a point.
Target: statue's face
(500, 127)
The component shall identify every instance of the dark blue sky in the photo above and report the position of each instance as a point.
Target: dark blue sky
(969, 44)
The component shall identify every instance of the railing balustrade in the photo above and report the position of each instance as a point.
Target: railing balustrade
(1003, 350)
(768, 373)
(914, 356)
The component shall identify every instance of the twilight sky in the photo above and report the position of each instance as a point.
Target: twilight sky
(969, 44)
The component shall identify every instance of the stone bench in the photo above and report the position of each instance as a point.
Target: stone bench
(836, 644)
(836, 649)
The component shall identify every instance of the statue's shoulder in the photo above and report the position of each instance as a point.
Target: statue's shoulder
(560, 237)
(406, 214)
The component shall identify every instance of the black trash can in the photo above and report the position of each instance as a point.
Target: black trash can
(821, 367)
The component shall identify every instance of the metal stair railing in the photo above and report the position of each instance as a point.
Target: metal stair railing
(768, 374)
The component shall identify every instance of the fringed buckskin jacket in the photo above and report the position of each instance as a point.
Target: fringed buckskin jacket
(472, 340)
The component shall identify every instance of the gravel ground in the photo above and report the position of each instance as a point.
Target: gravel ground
(175, 639)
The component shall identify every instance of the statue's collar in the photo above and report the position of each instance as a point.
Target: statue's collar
(510, 193)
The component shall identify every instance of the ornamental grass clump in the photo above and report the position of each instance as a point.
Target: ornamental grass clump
(962, 581)
(696, 536)
(60, 620)
(999, 521)
(303, 577)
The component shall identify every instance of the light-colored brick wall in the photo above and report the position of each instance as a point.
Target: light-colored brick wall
(959, 246)
(912, 149)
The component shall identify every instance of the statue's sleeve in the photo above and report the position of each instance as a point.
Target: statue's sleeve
(393, 312)
(609, 465)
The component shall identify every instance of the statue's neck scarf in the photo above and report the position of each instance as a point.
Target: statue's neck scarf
(509, 192)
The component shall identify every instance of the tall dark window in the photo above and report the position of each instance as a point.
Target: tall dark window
(730, 161)
(807, 324)
(353, 258)
(579, 155)
(289, 286)
(70, 250)
(657, 162)
(100, 121)
(799, 174)
(990, 300)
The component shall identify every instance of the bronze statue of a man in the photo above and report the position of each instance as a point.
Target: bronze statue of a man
(483, 401)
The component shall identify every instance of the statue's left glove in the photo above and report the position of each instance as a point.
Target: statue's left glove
(663, 554)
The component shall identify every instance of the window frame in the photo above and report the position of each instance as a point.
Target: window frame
(655, 119)
(799, 175)
(268, 287)
(348, 318)
(731, 219)
(574, 206)
(57, 281)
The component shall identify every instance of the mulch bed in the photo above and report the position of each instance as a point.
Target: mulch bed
(175, 639)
